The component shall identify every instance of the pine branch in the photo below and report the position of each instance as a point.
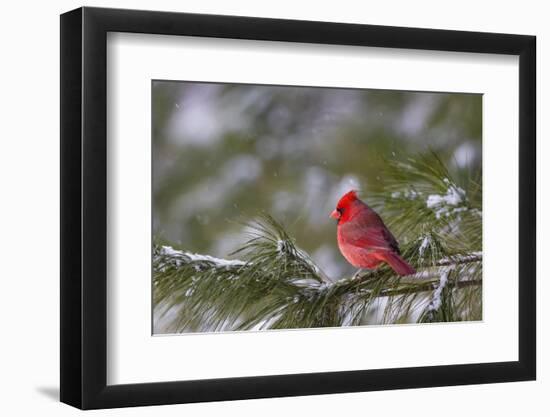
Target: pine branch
(452, 261)
(278, 286)
(462, 259)
(428, 286)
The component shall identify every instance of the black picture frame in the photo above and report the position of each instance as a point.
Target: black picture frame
(84, 207)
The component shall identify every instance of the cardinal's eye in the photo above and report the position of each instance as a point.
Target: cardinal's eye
(340, 210)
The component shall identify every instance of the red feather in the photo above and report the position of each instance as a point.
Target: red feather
(364, 239)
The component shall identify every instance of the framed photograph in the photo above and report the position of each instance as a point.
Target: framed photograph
(257, 208)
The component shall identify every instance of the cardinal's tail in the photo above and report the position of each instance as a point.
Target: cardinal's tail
(398, 264)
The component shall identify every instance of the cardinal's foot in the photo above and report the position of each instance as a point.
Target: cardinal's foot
(357, 274)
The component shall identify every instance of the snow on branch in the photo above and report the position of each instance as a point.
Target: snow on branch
(180, 257)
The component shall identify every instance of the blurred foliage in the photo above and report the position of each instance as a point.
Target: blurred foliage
(224, 153)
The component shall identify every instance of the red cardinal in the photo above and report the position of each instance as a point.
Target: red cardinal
(363, 238)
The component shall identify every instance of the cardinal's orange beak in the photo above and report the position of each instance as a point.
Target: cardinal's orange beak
(335, 214)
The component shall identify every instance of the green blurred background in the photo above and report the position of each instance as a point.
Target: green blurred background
(223, 153)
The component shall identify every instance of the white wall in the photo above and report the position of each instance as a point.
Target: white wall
(29, 173)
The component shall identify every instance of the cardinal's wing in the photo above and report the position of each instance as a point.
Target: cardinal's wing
(376, 237)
